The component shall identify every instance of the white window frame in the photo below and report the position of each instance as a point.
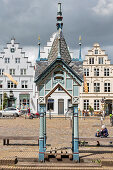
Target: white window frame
(86, 105)
(107, 87)
(96, 71)
(96, 51)
(12, 71)
(100, 60)
(106, 71)
(7, 60)
(17, 60)
(24, 84)
(86, 71)
(96, 87)
(1, 71)
(91, 60)
(96, 105)
(11, 85)
(23, 71)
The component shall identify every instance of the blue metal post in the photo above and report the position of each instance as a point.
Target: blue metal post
(72, 132)
(76, 135)
(41, 138)
(44, 131)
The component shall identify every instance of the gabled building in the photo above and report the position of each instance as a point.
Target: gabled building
(14, 62)
(99, 76)
(58, 77)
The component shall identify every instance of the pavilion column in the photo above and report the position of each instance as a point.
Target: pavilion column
(76, 134)
(41, 138)
(44, 131)
(72, 132)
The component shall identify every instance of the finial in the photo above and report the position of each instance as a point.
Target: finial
(38, 40)
(38, 59)
(59, 23)
(80, 59)
(80, 38)
(59, 55)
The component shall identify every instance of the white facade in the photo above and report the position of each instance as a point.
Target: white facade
(99, 77)
(14, 62)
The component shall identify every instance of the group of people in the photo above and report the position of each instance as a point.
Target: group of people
(102, 133)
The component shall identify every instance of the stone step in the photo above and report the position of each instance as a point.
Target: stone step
(56, 165)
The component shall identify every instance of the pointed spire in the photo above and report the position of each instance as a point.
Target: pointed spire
(80, 58)
(59, 55)
(59, 23)
(38, 59)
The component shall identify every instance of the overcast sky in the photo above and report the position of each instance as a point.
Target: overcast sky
(26, 19)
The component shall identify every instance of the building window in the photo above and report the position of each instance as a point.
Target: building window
(1, 84)
(10, 84)
(96, 51)
(100, 60)
(96, 105)
(86, 71)
(86, 104)
(96, 71)
(7, 60)
(87, 86)
(91, 60)
(24, 84)
(106, 71)
(23, 71)
(12, 50)
(96, 87)
(50, 105)
(1, 71)
(106, 87)
(12, 71)
(17, 60)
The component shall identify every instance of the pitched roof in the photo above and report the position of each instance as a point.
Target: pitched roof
(51, 67)
(64, 52)
(77, 66)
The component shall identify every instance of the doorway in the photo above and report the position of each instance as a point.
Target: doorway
(61, 106)
(108, 106)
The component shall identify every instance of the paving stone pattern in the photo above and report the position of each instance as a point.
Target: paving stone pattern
(59, 134)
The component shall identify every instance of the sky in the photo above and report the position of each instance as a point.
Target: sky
(27, 19)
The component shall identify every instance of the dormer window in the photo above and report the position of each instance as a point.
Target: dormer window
(12, 50)
(96, 51)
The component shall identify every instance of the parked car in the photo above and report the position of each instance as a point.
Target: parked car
(11, 111)
(33, 115)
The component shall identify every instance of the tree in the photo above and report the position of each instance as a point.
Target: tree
(5, 99)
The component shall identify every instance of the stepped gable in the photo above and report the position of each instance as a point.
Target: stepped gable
(77, 66)
(64, 52)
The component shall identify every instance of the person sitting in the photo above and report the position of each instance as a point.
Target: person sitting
(104, 131)
(98, 134)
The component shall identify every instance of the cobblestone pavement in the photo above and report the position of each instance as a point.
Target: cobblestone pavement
(59, 134)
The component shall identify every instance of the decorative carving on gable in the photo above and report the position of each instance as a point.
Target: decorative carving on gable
(41, 100)
(75, 100)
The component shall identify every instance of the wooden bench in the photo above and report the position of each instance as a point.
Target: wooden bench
(96, 139)
(7, 138)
